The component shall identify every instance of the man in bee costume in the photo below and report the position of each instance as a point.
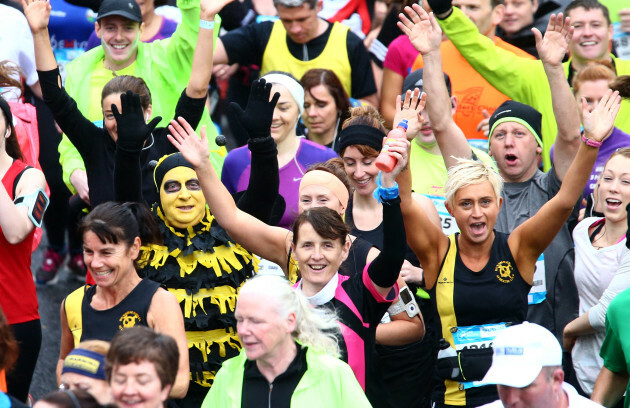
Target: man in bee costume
(197, 261)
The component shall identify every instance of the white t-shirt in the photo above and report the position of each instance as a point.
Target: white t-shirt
(16, 45)
(594, 273)
(575, 400)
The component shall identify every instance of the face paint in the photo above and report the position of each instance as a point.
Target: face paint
(181, 197)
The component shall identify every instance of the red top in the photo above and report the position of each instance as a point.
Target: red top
(18, 297)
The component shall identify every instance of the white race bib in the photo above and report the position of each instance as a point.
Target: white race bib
(538, 293)
(621, 41)
(449, 226)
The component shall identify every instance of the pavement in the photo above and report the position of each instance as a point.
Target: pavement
(50, 297)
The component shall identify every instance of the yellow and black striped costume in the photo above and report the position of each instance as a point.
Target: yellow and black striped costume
(204, 269)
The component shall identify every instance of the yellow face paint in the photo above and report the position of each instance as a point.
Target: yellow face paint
(181, 197)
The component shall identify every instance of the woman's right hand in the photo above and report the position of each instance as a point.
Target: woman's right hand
(195, 149)
(37, 14)
(399, 149)
(599, 122)
(258, 114)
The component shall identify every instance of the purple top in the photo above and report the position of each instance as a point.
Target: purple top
(237, 167)
(166, 30)
(616, 140)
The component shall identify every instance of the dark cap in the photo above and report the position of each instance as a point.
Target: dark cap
(414, 80)
(512, 111)
(128, 9)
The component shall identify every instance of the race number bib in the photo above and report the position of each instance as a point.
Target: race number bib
(475, 337)
(538, 292)
(621, 41)
(266, 267)
(449, 226)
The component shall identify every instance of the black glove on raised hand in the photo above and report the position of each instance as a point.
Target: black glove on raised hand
(256, 119)
(440, 6)
(133, 131)
(628, 230)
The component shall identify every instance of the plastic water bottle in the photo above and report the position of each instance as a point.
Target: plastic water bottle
(385, 161)
(448, 352)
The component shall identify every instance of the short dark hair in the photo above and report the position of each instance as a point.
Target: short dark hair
(113, 222)
(588, 5)
(327, 78)
(325, 221)
(142, 343)
(124, 83)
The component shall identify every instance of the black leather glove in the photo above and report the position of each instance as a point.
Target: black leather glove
(440, 6)
(133, 131)
(256, 119)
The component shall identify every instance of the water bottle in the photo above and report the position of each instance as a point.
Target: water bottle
(386, 162)
(448, 352)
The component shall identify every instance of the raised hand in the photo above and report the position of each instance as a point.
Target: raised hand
(132, 129)
(37, 14)
(422, 29)
(399, 149)
(210, 8)
(258, 114)
(195, 149)
(411, 109)
(599, 122)
(554, 45)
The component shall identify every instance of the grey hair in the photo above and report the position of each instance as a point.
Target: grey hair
(316, 328)
(295, 3)
(467, 172)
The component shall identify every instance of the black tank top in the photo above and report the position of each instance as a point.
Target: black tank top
(132, 311)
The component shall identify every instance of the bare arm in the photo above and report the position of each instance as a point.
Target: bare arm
(531, 238)
(14, 219)
(426, 36)
(269, 242)
(165, 316)
(609, 387)
(67, 341)
(402, 330)
(220, 55)
(551, 49)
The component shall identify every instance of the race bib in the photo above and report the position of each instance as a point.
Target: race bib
(449, 226)
(538, 292)
(475, 337)
(266, 267)
(621, 41)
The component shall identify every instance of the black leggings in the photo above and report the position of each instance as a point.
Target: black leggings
(29, 338)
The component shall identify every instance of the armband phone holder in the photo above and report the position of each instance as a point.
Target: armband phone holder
(36, 203)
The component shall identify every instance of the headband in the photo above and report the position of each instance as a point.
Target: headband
(293, 86)
(512, 111)
(6, 109)
(361, 135)
(328, 180)
(85, 362)
(166, 164)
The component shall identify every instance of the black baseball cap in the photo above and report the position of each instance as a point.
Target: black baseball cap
(414, 80)
(128, 9)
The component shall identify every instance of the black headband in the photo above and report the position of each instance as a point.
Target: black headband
(167, 163)
(361, 135)
(6, 109)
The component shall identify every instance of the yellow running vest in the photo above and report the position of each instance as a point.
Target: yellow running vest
(277, 56)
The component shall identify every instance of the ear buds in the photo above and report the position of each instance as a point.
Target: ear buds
(6, 134)
(146, 117)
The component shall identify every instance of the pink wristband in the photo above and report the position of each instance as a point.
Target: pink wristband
(591, 142)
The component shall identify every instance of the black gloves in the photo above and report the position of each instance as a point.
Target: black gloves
(256, 119)
(628, 231)
(133, 131)
(440, 6)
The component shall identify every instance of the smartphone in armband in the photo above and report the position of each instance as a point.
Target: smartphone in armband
(36, 203)
(411, 306)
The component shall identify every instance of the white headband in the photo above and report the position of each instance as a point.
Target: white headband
(293, 86)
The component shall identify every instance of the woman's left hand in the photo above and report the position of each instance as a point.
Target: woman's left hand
(411, 109)
(195, 149)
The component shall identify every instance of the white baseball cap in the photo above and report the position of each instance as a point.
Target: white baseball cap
(520, 352)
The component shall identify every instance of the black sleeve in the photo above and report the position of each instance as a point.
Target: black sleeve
(264, 180)
(81, 132)
(91, 4)
(385, 268)
(389, 32)
(362, 76)
(127, 176)
(247, 44)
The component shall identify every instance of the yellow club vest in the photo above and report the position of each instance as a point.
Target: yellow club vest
(277, 56)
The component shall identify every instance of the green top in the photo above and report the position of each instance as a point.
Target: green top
(165, 65)
(521, 79)
(328, 382)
